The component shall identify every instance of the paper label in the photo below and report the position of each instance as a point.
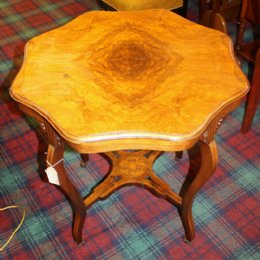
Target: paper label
(52, 175)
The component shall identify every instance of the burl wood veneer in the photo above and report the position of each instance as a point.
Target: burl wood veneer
(113, 81)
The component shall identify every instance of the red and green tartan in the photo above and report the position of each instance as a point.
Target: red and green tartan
(131, 223)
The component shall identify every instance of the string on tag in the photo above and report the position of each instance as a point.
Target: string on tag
(55, 164)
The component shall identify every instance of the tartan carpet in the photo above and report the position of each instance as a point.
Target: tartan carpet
(131, 223)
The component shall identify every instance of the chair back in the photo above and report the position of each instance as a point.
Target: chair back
(250, 51)
(250, 12)
(229, 9)
(214, 20)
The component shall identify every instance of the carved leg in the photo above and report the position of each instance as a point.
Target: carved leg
(55, 158)
(55, 154)
(209, 160)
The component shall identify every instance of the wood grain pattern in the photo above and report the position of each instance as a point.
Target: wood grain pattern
(144, 75)
(110, 81)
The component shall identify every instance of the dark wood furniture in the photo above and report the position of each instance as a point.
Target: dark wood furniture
(250, 16)
(135, 84)
(214, 20)
(229, 9)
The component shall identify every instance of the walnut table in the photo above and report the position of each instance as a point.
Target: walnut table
(130, 85)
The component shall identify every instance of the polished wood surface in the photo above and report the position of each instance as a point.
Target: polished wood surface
(131, 5)
(178, 6)
(133, 168)
(147, 75)
(108, 82)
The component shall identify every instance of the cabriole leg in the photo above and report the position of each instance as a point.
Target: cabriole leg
(209, 158)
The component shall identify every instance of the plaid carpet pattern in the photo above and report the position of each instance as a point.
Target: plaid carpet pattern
(131, 223)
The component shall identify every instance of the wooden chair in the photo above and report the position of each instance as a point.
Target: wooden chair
(178, 6)
(214, 20)
(250, 51)
(229, 9)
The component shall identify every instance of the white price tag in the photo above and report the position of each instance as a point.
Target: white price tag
(52, 175)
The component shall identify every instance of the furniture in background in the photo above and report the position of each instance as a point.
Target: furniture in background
(178, 6)
(113, 87)
(250, 51)
(229, 9)
(213, 19)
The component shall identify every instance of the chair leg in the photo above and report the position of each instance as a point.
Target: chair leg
(253, 98)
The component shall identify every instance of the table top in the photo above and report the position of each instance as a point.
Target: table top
(143, 75)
